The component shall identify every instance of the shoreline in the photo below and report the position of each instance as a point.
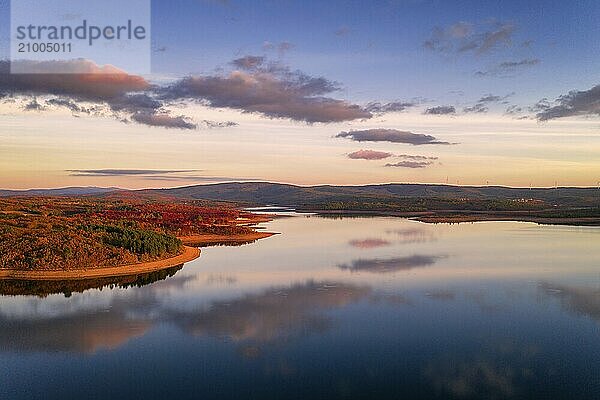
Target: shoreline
(455, 216)
(189, 254)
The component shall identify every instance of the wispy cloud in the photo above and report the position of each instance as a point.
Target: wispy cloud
(410, 164)
(508, 68)
(440, 110)
(188, 175)
(465, 37)
(395, 106)
(124, 172)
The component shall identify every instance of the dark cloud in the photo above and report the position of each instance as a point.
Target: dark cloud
(271, 90)
(80, 79)
(83, 81)
(396, 106)
(509, 67)
(574, 103)
(410, 164)
(387, 265)
(369, 155)
(390, 135)
(440, 110)
(163, 120)
(464, 37)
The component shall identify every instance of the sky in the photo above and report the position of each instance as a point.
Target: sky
(320, 92)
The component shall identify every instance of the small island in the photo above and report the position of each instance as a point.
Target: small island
(84, 237)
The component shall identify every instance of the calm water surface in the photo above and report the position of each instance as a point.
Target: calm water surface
(331, 308)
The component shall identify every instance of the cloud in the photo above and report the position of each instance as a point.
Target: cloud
(509, 67)
(440, 110)
(412, 157)
(163, 120)
(216, 124)
(369, 155)
(342, 31)
(82, 80)
(387, 265)
(482, 104)
(574, 103)
(271, 90)
(410, 164)
(156, 175)
(478, 108)
(248, 62)
(396, 106)
(390, 135)
(464, 37)
(123, 172)
(34, 105)
(281, 47)
(67, 103)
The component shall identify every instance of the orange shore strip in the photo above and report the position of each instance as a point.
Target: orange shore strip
(189, 254)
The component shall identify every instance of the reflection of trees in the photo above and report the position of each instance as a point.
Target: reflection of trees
(44, 288)
(385, 265)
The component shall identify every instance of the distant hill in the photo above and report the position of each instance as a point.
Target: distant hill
(265, 193)
(67, 191)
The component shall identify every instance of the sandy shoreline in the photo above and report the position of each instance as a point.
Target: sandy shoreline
(189, 254)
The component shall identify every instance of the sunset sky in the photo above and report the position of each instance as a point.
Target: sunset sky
(431, 91)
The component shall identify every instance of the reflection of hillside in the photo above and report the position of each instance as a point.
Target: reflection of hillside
(578, 299)
(44, 288)
(79, 333)
(274, 313)
(386, 265)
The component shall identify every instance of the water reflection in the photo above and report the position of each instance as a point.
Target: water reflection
(331, 308)
(16, 287)
(383, 266)
(273, 314)
(582, 300)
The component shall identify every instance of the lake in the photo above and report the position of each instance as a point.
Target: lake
(330, 308)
